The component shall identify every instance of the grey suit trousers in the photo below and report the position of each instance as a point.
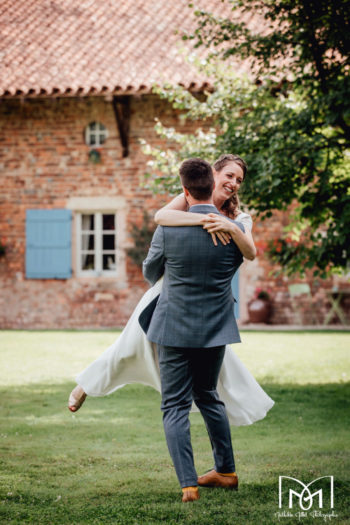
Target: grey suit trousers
(189, 374)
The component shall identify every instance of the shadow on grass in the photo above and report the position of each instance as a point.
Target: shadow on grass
(109, 463)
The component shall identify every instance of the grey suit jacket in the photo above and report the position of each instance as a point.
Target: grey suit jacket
(195, 307)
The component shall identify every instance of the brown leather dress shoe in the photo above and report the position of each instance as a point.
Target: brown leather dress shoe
(214, 479)
(190, 494)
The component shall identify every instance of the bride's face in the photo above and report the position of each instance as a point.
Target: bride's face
(227, 181)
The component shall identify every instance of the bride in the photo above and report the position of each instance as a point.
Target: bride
(132, 358)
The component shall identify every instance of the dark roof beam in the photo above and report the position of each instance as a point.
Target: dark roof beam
(121, 107)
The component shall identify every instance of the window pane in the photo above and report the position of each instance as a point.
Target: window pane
(108, 242)
(108, 222)
(88, 261)
(102, 137)
(95, 134)
(88, 241)
(88, 222)
(109, 261)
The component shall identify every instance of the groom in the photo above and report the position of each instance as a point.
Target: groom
(191, 324)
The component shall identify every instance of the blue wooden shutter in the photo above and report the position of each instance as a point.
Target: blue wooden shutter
(235, 292)
(48, 244)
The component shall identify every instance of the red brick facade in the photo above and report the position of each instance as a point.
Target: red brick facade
(44, 164)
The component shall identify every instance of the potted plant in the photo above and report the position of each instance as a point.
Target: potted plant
(259, 308)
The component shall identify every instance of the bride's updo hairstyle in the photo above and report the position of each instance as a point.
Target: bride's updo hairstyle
(232, 206)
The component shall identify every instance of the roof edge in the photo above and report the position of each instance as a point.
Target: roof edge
(104, 91)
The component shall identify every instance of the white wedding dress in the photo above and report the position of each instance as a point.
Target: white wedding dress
(131, 359)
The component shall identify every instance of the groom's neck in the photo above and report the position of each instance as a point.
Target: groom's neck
(192, 202)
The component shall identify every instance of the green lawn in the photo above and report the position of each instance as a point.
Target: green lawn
(108, 464)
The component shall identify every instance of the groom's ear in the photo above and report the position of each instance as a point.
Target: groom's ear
(186, 192)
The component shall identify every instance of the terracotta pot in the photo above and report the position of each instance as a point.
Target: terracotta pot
(259, 311)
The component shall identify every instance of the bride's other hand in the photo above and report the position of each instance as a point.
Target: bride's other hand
(218, 233)
(223, 237)
(215, 224)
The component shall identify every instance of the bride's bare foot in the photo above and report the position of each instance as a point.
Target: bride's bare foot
(76, 398)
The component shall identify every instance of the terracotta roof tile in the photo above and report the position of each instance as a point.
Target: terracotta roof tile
(56, 47)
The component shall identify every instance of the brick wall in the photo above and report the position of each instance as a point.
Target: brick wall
(44, 163)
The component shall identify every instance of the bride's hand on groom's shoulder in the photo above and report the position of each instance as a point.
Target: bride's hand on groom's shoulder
(218, 229)
(213, 223)
(219, 226)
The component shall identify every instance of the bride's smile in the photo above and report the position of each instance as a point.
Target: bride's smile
(227, 182)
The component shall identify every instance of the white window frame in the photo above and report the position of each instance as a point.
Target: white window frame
(98, 249)
(91, 205)
(98, 132)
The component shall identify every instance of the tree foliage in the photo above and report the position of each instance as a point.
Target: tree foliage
(289, 119)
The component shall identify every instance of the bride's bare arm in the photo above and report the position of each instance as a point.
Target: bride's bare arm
(175, 214)
(244, 240)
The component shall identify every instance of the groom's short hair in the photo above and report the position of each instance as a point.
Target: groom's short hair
(197, 177)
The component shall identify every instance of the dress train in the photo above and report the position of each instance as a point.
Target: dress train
(130, 359)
